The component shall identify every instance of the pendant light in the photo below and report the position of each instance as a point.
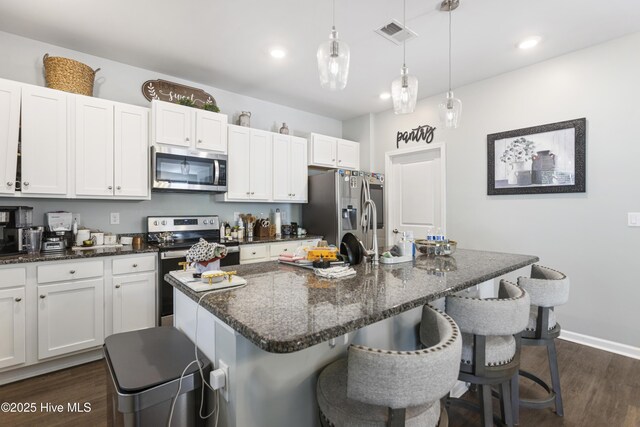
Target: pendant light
(333, 60)
(450, 108)
(404, 89)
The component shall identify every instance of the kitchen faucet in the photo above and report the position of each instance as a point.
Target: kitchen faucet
(369, 211)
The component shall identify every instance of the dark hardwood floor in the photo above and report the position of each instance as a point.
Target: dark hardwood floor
(600, 389)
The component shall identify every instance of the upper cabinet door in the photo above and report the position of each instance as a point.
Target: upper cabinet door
(211, 131)
(94, 146)
(281, 168)
(44, 141)
(323, 151)
(348, 154)
(9, 126)
(131, 151)
(238, 159)
(260, 167)
(172, 123)
(298, 167)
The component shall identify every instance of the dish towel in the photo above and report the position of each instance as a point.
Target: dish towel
(335, 272)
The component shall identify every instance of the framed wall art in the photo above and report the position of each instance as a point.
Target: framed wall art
(541, 159)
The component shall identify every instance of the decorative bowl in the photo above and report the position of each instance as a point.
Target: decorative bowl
(431, 248)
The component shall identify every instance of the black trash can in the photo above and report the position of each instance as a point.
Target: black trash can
(145, 368)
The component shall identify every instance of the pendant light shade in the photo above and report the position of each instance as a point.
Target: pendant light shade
(404, 91)
(450, 109)
(333, 63)
(333, 60)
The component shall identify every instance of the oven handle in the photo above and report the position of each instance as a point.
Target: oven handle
(233, 249)
(173, 254)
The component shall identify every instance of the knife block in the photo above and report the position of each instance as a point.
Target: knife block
(260, 231)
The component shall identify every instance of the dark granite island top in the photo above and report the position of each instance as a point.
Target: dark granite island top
(284, 308)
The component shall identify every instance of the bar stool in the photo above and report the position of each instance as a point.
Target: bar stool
(375, 387)
(490, 345)
(548, 288)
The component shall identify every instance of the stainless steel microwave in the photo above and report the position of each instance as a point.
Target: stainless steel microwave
(179, 169)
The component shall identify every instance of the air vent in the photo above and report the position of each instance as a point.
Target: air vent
(394, 32)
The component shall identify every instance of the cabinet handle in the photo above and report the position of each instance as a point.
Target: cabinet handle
(186, 139)
(43, 296)
(339, 161)
(248, 193)
(135, 265)
(199, 141)
(72, 272)
(118, 188)
(253, 253)
(285, 249)
(252, 192)
(26, 183)
(333, 160)
(9, 184)
(117, 286)
(18, 299)
(294, 194)
(110, 187)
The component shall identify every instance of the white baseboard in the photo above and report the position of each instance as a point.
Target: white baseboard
(610, 346)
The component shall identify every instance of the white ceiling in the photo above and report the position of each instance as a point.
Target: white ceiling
(226, 43)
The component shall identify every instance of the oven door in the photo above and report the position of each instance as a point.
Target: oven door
(175, 169)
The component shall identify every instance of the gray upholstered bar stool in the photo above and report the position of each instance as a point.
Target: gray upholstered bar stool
(374, 387)
(490, 345)
(548, 288)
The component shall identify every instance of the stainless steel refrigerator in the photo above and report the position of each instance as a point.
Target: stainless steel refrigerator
(335, 204)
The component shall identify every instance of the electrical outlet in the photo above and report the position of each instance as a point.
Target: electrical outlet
(76, 218)
(633, 219)
(114, 218)
(224, 390)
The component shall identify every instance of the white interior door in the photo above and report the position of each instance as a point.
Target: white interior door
(415, 185)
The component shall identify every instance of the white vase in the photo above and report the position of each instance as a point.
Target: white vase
(514, 168)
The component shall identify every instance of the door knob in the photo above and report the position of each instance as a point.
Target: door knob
(18, 299)
(43, 296)
(9, 184)
(117, 286)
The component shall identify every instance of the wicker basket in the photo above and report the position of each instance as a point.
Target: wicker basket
(68, 75)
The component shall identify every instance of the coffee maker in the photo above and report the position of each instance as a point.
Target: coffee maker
(58, 235)
(14, 221)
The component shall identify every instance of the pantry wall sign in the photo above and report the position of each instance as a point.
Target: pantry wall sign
(164, 90)
(421, 133)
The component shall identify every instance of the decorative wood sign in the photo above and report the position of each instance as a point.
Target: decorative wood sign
(421, 133)
(174, 92)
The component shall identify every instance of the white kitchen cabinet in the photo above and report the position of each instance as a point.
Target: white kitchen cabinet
(70, 317)
(9, 129)
(289, 169)
(12, 327)
(93, 146)
(322, 151)
(329, 152)
(44, 141)
(184, 126)
(134, 302)
(249, 164)
(131, 151)
(348, 154)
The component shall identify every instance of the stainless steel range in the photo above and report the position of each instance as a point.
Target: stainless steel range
(174, 235)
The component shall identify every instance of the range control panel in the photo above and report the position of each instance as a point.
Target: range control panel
(159, 224)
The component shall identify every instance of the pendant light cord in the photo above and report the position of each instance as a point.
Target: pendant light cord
(450, 45)
(334, 15)
(404, 27)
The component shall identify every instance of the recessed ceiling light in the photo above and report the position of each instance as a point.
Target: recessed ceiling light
(528, 43)
(385, 95)
(278, 53)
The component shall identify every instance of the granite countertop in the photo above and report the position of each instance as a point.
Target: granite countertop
(275, 239)
(286, 308)
(71, 254)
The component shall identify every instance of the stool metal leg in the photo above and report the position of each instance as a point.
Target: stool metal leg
(487, 404)
(555, 376)
(515, 398)
(506, 403)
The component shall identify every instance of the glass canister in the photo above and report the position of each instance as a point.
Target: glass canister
(245, 119)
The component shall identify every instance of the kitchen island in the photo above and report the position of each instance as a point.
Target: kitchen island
(276, 333)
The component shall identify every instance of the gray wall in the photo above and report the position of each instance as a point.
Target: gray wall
(22, 61)
(585, 235)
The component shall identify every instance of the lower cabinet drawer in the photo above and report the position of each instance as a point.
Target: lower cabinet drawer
(12, 277)
(134, 265)
(253, 253)
(275, 249)
(69, 271)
